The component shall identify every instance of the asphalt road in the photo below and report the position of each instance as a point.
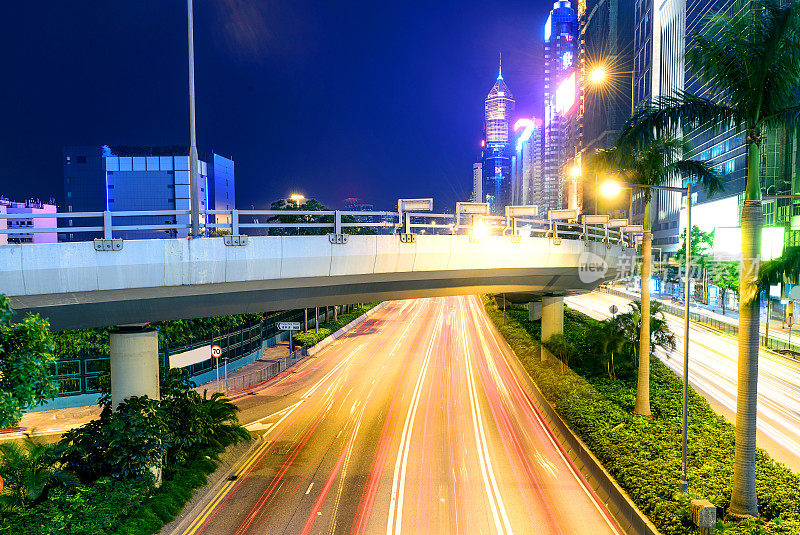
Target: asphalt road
(713, 373)
(414, 422)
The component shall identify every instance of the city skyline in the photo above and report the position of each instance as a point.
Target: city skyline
(281, 141)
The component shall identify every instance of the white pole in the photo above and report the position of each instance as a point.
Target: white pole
(216, 359)
(684, 477)
(226, 376)
(194, 180)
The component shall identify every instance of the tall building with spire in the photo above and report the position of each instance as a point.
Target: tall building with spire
(498, 150)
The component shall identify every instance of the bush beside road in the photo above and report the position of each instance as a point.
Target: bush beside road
(643, 454)
(310, 338)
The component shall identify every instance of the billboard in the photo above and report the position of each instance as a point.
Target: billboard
(728, 243)
(565, 95)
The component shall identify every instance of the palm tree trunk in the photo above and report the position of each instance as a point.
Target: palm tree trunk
(642, 406)
(744, 501)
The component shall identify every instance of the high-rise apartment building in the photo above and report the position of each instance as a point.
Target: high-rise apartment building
(23, 227)
(658, 70)
(561, 103)
(498, 150)
(142, 179)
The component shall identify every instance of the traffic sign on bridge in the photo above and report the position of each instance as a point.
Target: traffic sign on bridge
(289, 326)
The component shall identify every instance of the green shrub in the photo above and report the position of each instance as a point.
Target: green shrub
(644, 455)
(310, 338)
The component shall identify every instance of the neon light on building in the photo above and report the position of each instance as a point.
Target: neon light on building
(565, 95)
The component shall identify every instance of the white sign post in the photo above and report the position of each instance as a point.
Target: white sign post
(289, 326)
(216, 353)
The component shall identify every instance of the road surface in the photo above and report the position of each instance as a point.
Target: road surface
(713, 373)
(415, 423)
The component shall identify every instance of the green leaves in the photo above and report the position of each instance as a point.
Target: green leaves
(643, 454)
(26, 358)
(29, 471)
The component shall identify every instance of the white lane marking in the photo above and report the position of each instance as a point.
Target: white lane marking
(395, 521)
(534, 411)
(309, 487)
(489, 481)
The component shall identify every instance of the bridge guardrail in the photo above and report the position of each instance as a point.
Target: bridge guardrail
(176, 224)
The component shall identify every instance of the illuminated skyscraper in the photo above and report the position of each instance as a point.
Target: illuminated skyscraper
(497, 154)
(561, 87)
(527, 162)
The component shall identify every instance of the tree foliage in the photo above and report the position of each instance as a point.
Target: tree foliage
(29, 470)
(26, 361)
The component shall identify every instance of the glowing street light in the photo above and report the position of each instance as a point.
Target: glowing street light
(610, 188)
(296, 197)
(598, 75)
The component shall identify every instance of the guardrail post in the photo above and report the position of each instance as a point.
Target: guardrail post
(107, 229)
(337, 222)
(234, 222)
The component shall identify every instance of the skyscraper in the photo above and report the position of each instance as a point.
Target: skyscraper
(606, 42)
(527, 161)
(561, 86)
(498, 150)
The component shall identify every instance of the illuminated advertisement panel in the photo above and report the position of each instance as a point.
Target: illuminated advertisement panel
(728, 243)
(565, 95)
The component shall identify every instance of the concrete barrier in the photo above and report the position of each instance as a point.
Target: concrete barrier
(627, 515)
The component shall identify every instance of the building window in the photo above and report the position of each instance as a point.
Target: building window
(81, 159)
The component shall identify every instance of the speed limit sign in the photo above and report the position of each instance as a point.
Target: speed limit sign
(216, 351)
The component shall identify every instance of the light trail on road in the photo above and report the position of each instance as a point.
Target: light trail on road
(414, 422)
(713, 373)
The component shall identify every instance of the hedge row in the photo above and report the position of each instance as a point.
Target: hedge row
(310, 338)
(108, 506)
(644, 455)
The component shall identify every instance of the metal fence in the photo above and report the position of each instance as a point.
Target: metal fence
(175, 224)
(714, 323)
(258, 377)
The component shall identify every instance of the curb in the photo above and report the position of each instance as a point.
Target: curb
(187, 517)
(624, 511)
(328, 340)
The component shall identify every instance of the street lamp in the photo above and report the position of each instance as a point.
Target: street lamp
(194, 180)
(598, 75)
(688, 191)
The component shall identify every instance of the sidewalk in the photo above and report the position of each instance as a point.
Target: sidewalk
(54, 423)
(731, 317)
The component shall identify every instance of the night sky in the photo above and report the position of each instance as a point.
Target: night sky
(377, 100)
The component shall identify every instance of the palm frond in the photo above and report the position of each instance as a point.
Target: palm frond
(700, 172)
(666, 116)
(783, 269)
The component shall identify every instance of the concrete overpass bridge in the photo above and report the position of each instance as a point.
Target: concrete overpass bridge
(110, 281)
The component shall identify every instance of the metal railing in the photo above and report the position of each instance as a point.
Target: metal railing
(239, 383)
(716, 324)
(176, 224)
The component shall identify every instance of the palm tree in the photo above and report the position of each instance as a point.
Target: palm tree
(749, 62)
(29, 471)
(649, 161)
(630, 326)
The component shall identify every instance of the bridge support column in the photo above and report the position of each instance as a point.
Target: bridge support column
(552, 316)
(134, 364)
(534, 310)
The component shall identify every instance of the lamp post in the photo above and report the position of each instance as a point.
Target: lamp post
(610, 188)
(193, 174)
